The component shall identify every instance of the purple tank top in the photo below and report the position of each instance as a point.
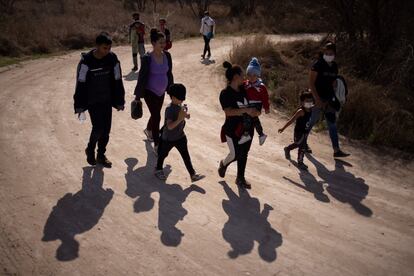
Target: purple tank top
(157, 78)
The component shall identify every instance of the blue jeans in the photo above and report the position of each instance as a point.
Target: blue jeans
(330, 116)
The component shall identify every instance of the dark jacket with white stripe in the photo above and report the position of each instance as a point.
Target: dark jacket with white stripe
(98, 81)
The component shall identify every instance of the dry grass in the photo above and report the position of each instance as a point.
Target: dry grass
(372, 114)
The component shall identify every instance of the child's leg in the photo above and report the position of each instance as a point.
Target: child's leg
(163, 151)
(182, 148)
(247, 123)
(302, 142)
(258, 125)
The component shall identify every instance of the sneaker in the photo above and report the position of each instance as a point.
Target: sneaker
(244, 139)
(340, 153)
(262, 139)
(90, 157)
(134, 68)
(148, 133)
(101, 159)
(302, 166)
(242, 183)
(222, 170)
(287, 153)
(160, 175)
(196, 177)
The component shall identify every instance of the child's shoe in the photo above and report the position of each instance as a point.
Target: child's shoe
(244, 139)
(302, 166)
(308, 149)
(196, 177)
(242, 183)
(160, 175)
(262, 139)
(102, 160)
(222, 170)
(287, 153)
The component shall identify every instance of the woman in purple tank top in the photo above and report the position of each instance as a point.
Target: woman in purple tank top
(155, 76)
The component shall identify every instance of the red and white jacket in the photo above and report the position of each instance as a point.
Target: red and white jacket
(257, 92)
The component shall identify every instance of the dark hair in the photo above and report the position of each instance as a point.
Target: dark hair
(306, 94)
(135, 14)
(206, 13)
(232, 70)
(103, 38)
(330, 46)
(156, 35)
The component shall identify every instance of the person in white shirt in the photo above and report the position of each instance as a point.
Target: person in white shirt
(207, 30)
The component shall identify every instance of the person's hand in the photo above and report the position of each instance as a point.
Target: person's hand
(280, 130)
(182, 115)
(120, 107)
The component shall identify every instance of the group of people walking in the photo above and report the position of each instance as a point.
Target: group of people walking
(99, 88)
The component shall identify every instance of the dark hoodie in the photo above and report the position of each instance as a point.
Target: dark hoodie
(98, 81)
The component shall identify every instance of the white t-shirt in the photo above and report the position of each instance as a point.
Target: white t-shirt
(206, 25)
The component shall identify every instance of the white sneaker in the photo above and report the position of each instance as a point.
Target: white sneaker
(149, 135)
(244, 139)
(262, 139)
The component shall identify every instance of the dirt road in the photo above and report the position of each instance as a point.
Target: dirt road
(60, 217)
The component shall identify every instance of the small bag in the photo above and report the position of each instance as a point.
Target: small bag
(136, 110)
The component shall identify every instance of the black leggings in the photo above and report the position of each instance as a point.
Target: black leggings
(181, 145)
(206, 46)
(237, 153)
(300, 142)
(101, 118)
(154, 104)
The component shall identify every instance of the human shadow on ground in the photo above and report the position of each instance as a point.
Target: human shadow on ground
(77, 213)
(207, 61)
(343, 185)
(248, 224)
(132, 76)
(141, 184)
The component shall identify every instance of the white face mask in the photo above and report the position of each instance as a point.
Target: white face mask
(308, 105)
(328, 59)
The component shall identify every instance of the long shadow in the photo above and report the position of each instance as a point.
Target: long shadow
(247, 224)
(310, 184)
(132, 76)
(207, 61)
(343, 185)
(141, 184)
(77, 213)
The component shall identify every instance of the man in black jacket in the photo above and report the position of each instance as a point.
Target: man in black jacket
(99, 87)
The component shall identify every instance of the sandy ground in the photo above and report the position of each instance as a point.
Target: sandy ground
(60, 217)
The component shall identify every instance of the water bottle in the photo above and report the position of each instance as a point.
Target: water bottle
(82, 117)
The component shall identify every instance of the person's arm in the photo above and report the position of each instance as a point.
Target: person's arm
(119, 90)
(170, 67)
(81, 94)
(312, 80)
(265, 99)
(232, 112)
(173, 124)
(298, 114)
(142, 78)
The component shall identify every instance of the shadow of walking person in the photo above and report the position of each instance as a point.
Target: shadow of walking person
(141, 183)
(247, 224)
(343, 185)
(131, 76)
(311, 184)
(77, 213)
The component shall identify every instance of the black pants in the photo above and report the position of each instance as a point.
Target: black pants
(300, 142)
(237, 153)
(101, 118)
(154, 104)
(248, 122)
(206, 46)
(181, 145)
